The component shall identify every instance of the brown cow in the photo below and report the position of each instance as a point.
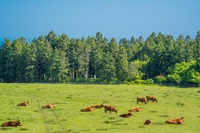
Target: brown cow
(128, 115)
(97, 106)
(152, 98)
(90, 109)
(23, 104)
(141, 99)
(110, 108)
(135, 109)
(148, 122)
(11, 124)
(175, 121)
(48, 106)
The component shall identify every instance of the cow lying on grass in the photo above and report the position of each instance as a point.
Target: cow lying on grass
(128, 115)
(48, 106)
(11, 124)
(90, 109)
(175, 121)
(148, 122)
(110, 108)
(97, 106)
(141, 99)
(23, 104)
(152, 98)
(135, 109)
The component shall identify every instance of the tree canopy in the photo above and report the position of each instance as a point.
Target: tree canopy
(58, 58)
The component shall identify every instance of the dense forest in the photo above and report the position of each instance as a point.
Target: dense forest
(58, 58)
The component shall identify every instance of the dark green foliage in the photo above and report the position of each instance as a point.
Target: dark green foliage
(57, 58)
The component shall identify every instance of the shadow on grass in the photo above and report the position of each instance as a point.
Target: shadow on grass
(63, 119)
(115, 121)
(86, 130)
(105, 101)
(6, 128)
(102, 129)
(180, 104)
(141, 126)
(72, 131)
(165, 96)
(23, 129)
(69, 97)
(159, 123)
(153, 111)
(50, 122)
(164, 115)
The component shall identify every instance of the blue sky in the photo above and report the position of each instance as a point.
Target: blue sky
(113, 18)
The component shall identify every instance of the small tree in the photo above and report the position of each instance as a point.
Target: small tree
(160, 79)
(174, 78)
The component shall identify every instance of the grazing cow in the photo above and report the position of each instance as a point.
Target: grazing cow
(110, 108)
(11, 124)
(152, 98)
(48, 106)
(97, 106)
(23, 104)
(128, 115)
(148, 122)
(135, 109)
(175, 121)
(90, 109)
(141, 99)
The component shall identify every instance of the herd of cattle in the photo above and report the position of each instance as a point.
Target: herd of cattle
(107, 108)
(111, 108)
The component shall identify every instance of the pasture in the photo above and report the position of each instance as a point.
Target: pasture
(69, 99)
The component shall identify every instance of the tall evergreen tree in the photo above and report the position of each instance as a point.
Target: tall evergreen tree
(57, 66)
(14, 61)
(125, 43)
(108, 69)
(156, 65)
(189, 49)
(179, 47)
(197, 50)
(113, 47)
(43, 53)
(197, 46)
(72, 56)
(122, 64)
(4, 60)
(92, 46)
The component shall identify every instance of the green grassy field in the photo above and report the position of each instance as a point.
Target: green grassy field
(69, 99)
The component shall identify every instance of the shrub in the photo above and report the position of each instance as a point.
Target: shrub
(149, 81)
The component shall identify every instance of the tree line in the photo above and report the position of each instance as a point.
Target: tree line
(58, 58)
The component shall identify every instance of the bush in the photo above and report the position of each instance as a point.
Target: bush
(139, 81)
(174, 78)
(149, 81)
(160, 79)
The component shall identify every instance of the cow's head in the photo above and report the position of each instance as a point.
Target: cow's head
(155, 100)
(182, 118)
(18, 123)
(116, 111)
(101, 105)
(130, 114)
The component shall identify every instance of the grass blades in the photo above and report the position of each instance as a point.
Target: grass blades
(66, 117)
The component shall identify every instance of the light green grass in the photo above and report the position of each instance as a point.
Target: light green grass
(69, 99)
